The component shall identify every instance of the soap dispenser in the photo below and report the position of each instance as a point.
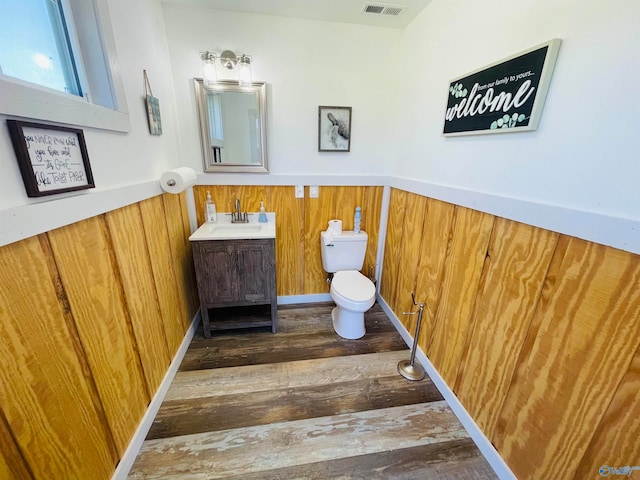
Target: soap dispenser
(210, 214)
(262, 217)
(356, 220)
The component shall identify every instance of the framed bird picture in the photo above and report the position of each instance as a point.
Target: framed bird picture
(334, 129)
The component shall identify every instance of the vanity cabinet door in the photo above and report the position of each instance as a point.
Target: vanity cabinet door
(215, 265)
(256, 264)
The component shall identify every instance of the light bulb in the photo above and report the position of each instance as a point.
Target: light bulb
(209, 72)
(244, 71)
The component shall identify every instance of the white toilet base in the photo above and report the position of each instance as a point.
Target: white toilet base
(348, 324)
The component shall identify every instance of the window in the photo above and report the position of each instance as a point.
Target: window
(57, 61)
(35, 45)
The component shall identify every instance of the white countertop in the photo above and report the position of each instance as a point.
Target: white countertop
(223, 229)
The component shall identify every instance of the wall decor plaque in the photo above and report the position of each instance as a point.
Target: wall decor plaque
(52, 159)
(506, 96)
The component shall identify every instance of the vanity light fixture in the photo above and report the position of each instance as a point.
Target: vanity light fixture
(228, 60)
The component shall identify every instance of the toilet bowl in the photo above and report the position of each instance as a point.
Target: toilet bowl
(353, 294)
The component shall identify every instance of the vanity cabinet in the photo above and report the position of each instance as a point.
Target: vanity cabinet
(234, 273)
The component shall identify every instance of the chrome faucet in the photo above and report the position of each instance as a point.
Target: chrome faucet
(238, 216)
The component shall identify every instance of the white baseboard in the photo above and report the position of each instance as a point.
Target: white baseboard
(484, 445)
(312, 298)
(130, 454)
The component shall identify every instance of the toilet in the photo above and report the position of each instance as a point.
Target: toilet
(353, 293)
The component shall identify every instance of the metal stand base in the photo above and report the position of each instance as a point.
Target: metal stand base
(413, 372)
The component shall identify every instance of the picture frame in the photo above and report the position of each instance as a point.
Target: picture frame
(504, 97)
(152, 104)
(52, 159)
(334, 129)
(153, 115)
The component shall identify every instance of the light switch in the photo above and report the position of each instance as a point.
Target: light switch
(299, 191)
(313, 191)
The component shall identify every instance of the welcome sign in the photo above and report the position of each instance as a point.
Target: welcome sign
(506, 96)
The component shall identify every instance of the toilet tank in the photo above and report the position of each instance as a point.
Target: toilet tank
(343, 252)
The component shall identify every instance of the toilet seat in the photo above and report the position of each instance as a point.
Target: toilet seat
(352, 290)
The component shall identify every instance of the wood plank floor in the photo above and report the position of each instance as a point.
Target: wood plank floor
(304, 404)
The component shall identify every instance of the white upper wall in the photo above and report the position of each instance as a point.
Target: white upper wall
(581, 159)
(305, 63)
(584, 155)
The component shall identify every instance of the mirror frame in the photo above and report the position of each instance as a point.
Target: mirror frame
(260, 89)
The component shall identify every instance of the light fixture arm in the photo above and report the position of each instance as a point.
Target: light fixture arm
(228, 59)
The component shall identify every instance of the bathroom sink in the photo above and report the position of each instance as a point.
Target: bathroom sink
(232, 229)
(223, 229)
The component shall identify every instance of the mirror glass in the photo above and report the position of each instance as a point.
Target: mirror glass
(233, 126)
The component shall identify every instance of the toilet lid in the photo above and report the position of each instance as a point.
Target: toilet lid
(353, 285)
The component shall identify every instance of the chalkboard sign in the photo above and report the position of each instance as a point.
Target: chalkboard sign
(506, 96)
(52, 159)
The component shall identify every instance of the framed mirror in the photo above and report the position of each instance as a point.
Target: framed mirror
(233, 126)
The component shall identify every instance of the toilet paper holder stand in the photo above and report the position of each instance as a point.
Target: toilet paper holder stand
(409, 369)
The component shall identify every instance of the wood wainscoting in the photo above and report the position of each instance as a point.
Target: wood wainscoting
(91, 316)
(299, 222)
(538, 334)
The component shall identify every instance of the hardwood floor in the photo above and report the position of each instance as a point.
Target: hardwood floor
(305, 404)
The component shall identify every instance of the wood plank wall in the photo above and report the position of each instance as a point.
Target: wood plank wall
(299, 223)
(91, 315)
(538, 334)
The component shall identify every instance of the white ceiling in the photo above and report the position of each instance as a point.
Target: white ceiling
(348, 11)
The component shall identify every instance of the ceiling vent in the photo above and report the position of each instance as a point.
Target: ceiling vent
(383, 8)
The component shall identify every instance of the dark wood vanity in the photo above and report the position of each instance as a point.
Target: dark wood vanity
(235, 273)
(235, 265)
